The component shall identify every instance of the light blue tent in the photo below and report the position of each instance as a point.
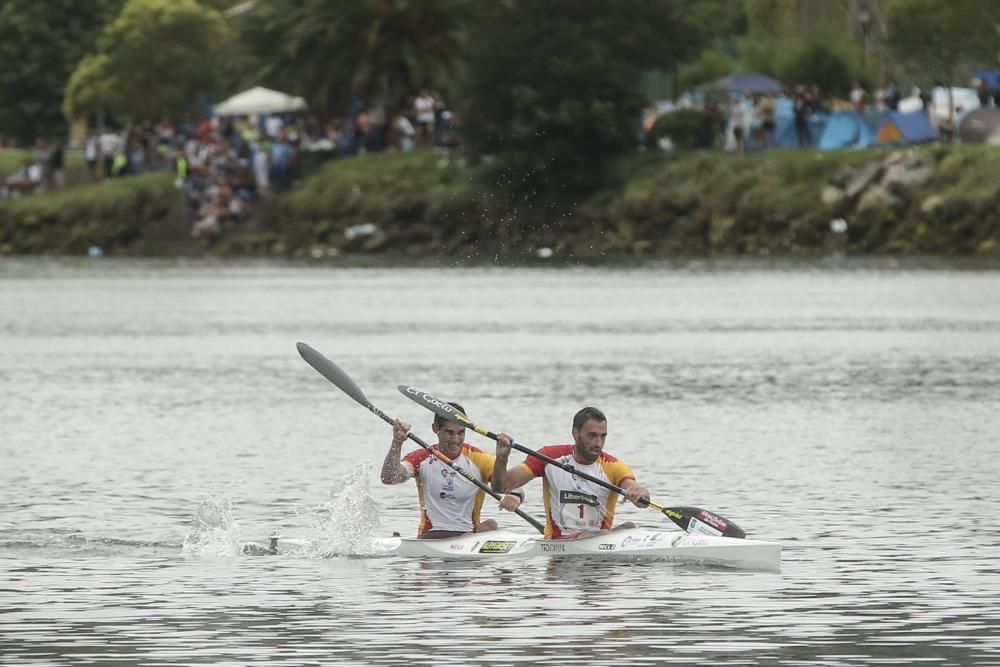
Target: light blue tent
(785, 134)
(846, 129)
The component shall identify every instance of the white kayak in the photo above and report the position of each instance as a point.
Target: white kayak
(643, 544)
(635, 543)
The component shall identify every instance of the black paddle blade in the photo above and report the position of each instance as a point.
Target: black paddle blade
(436, 405)
(697, 520)
(332, 372)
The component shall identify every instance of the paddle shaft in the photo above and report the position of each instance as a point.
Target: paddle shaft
(338, 377)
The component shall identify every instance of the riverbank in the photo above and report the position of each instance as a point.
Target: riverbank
(942, 200)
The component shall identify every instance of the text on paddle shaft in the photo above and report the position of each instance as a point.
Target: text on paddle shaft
(456, 416)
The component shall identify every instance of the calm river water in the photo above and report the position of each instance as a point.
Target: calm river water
(156, 413)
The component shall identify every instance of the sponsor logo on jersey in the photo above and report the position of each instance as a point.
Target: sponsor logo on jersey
(577, 498)
(496, 547)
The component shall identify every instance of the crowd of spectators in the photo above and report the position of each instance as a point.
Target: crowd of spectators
(225, 164)
(747, 121)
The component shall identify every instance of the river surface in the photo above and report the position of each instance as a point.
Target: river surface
(156, 414)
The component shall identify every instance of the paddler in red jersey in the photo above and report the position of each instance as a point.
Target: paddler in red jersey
(449, 505)
(574, 507)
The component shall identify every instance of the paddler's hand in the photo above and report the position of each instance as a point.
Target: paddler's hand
(510, 502)
(504, 442)
(400, 430)
(637, 495)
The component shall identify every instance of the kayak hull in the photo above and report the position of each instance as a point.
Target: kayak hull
(634, 544)
(671, 546)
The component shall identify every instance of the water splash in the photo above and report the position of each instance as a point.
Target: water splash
(348, 523)
(214, 531)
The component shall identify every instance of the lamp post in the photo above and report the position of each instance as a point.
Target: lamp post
(864, 17)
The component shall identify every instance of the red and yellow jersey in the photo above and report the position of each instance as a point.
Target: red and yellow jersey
(448, 502)
(574, 504)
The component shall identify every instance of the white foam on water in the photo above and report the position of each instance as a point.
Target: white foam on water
(214, 531)
(348, 523)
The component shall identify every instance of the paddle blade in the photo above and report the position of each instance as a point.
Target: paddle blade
(436, 405)
(332, 372)
(697, 520)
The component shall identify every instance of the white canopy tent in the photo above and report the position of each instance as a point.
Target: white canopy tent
(259, 100)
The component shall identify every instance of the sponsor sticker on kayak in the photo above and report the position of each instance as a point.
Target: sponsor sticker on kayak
(696, 526)
(643, 541)
(716, 522)
(496, 547)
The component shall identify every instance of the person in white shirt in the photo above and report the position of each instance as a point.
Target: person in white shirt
(423, 109)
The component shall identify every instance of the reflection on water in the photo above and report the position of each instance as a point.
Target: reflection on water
(847, 413)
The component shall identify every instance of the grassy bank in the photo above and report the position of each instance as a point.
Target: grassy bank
(693, 203)
(140, 215)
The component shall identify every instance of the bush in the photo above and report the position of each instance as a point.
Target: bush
(686, 128)
(135, 215)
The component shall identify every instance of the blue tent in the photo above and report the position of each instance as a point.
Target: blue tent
(991, 77)
(846, 129)
(905, 128)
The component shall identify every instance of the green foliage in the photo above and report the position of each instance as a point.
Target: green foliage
(40, 44)
(330, 51)
(553, 86)
(709, 66)
(716, 21)
(941, 37)
(145, 67)
(816, 64)
(779, 20)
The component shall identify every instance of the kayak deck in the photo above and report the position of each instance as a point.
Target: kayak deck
(635, 544)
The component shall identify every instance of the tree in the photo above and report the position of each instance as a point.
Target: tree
(944, 38)
(333, 51)
(817, 64)
(153, 61)
(553, 86)
(40, 44)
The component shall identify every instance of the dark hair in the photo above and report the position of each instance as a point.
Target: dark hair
(439, 420)
(581, 417)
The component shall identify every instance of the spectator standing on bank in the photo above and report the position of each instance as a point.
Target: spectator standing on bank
(91, 153)
(423, 111)
(108, 143)
(56, 164)
(984, 93)
(859, 97)
(892, 96)
(802, 108)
